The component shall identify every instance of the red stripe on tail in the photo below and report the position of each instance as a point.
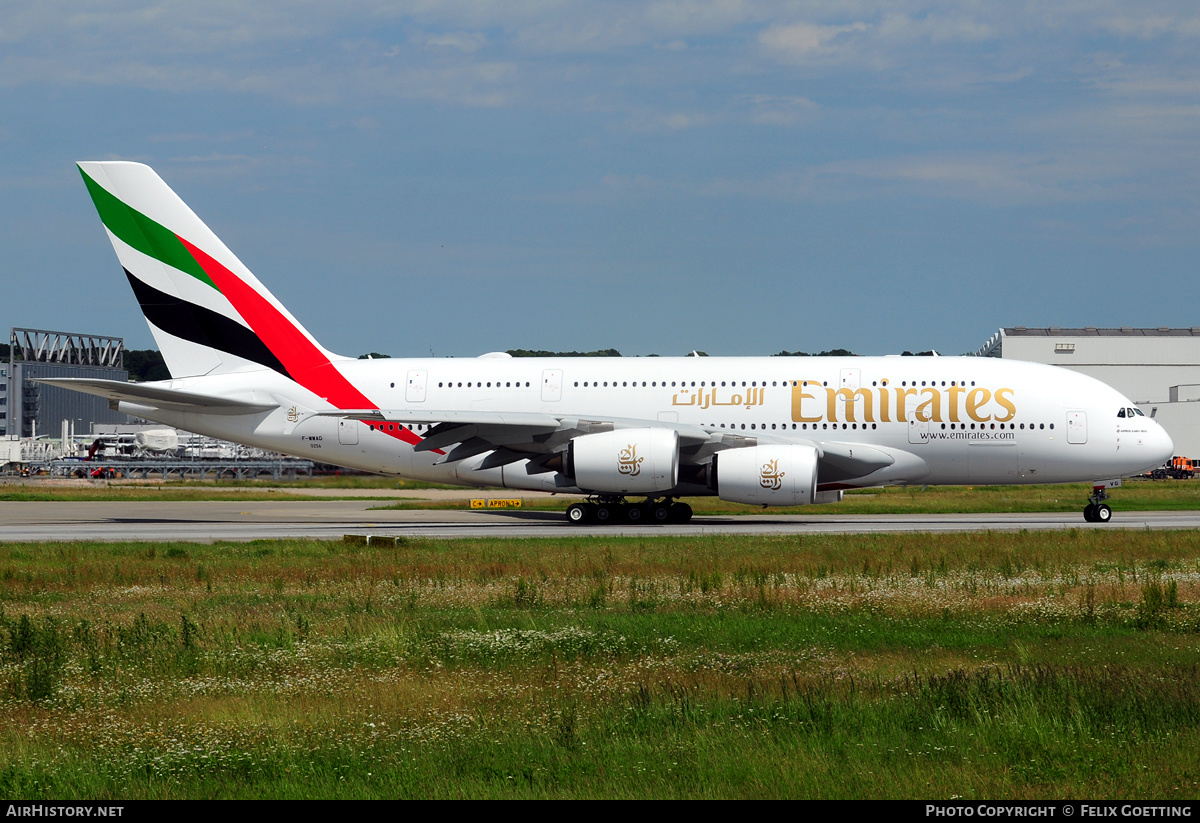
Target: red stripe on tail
(306, 364)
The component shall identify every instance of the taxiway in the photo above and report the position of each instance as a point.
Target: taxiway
(329, 520)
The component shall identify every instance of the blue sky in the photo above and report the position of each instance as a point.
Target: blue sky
(735, 177)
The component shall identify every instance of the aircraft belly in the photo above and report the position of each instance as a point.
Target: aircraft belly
(993, 463)
(949, 460)
(510, 476)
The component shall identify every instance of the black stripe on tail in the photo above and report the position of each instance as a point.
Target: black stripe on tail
(202, 326)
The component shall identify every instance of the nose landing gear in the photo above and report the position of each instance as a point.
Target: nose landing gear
(1096, 511)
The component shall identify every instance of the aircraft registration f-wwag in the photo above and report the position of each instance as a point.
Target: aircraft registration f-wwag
(758, 430)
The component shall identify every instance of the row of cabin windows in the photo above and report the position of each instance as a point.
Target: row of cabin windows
(420, 427)
(753, 383)
(479, 384)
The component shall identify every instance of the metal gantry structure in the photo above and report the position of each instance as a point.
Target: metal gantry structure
(66, 348)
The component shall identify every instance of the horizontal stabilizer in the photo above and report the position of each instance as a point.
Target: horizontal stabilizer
(155, 395)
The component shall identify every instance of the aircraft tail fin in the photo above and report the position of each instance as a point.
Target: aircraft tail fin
(208, 313)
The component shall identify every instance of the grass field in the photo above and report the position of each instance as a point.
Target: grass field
(1022, 665)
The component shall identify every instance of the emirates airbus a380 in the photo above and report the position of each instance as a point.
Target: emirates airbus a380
(770, 431)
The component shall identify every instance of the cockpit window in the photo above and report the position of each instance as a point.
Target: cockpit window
(1138, 412)
(1120, 413)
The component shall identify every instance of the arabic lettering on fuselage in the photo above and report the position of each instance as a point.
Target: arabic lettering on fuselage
(705, 399)
(813, 402)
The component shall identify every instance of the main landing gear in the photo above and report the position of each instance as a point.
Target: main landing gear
(615, 510)
(1096, 511)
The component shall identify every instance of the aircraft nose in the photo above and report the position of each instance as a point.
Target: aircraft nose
(1160, 443)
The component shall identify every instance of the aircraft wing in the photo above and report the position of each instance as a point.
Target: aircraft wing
(156, 396)
(539, 437)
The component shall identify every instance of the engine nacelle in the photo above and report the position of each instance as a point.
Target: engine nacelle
(625, 461)
(766, 475)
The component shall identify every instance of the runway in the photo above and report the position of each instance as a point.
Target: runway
(331, 520)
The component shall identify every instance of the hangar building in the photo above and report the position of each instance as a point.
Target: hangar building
(30, 408)
(1158, 369)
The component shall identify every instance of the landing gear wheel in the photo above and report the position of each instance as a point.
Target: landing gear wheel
(634, 514)
(1096, 510)
(603, 513)
(661, 513)
(578, 513)
(681, 512)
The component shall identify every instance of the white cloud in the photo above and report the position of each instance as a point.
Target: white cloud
(658, 121)
(464, 41)
(766, 109)
(933, 29)
(800, 41)
(877, 69)
(1143, 28)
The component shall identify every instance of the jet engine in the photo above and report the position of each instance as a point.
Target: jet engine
(766, 475)
(625, 461)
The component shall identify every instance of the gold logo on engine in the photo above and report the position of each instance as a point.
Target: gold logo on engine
(293, 414)
(628, 462)
(770, 477)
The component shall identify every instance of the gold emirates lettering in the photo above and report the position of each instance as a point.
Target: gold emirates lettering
(814, 403)
(628, 461)
(770, 477)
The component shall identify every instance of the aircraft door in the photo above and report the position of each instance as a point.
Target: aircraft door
(1076, 427)
(414, 392)
(918, 432)
(348, 432)
(552, 385)
(849, 380)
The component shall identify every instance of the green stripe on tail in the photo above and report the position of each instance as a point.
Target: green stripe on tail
(142, 233)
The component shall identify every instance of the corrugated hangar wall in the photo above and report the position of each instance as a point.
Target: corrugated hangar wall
(40, 353)
(48, 406)
(1158, 369)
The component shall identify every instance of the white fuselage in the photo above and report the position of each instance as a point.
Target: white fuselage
(950, 419)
